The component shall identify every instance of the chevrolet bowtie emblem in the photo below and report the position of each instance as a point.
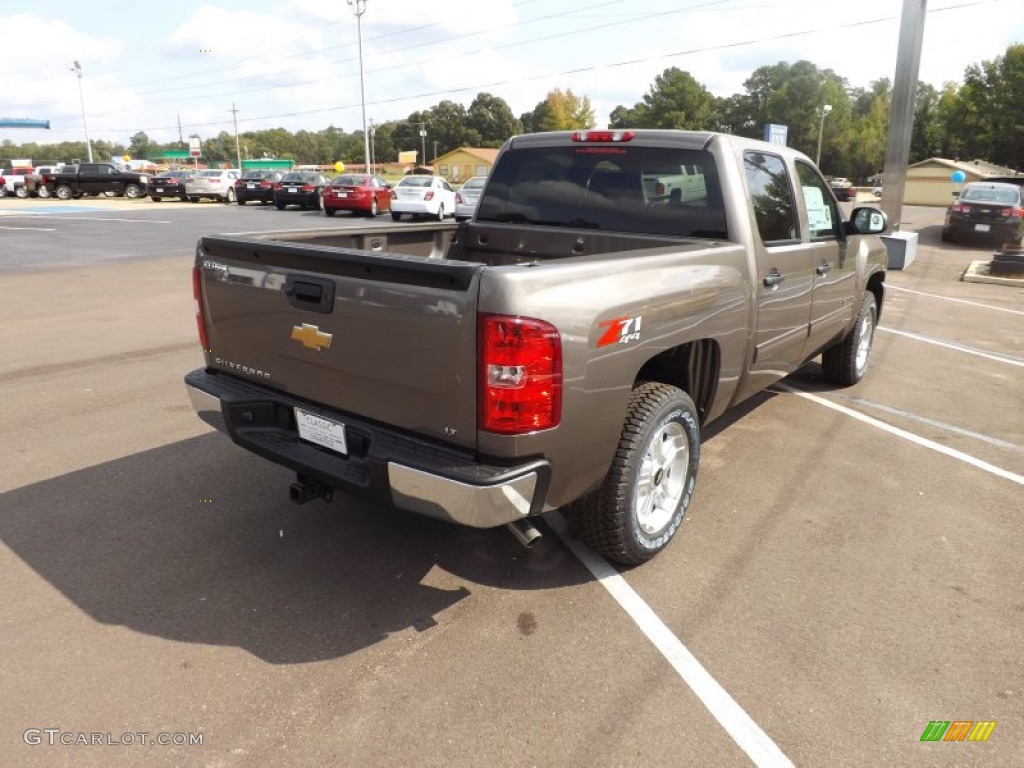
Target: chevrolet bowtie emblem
(311, 337)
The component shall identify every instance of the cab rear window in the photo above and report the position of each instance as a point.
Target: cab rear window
(620, 188)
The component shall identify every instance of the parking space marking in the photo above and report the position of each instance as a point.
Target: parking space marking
(951, 298)
(731, 716)
(958, 347)
(935, 423)
(86, 218)
(910, 436)
(32, 229)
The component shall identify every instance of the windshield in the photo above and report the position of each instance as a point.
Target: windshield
(617, 187)
(349, 181)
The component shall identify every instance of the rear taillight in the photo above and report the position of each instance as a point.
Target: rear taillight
(278, 185)
(589, 136)
(266, 184)
(961, 208)
(659, 189)
(1013, 213)
(197, 292)
(459, 198)
(520, 374)
(429, 195)
(308, 187)
(394, 195)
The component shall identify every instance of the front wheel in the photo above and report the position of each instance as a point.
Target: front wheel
(645, 495)
(134, 191)
(847, 362)
(43, 192)
(373, 207)
(440, 212)
(21, 192)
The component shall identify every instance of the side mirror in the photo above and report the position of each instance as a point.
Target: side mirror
(956, 194)
(868, 221)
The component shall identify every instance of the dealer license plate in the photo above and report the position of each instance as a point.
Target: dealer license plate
(293, 189)
(250, 186)
(325, 432)
(159, 189)
(343, 194)
(982, 227)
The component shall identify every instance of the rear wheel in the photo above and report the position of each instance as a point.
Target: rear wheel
(847, 362)
(134, 191)
(3, 190)
(193, 199)
(645, 495)
(44, 192)
(240, 201)
(21, 192)
(440, 212)
(373, 207)
(63, 192)
(947, 235)
(320, 200)
(395, 216)
(279, 206)
(330, 211)
(156, 199)
(229, 197)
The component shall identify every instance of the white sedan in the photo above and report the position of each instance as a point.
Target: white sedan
(214, 184)
(423, 196)
(468, 196)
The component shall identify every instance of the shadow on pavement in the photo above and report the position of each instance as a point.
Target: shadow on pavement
(197, 542)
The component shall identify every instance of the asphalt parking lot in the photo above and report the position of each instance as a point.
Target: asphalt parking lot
(850, 570)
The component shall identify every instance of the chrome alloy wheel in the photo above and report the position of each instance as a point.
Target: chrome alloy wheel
(662, 478)
(865, 334)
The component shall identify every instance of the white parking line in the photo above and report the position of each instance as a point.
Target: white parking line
(951, 298)
(49, 217)
(910, 436)
(32, 229)
(958, 347)
(738, 724)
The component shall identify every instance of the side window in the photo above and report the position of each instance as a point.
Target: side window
(771, 195)
(822, 212)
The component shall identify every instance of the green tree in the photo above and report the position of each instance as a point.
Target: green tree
(675, 100)
(560, 111)
(140, 146)
(491, 118)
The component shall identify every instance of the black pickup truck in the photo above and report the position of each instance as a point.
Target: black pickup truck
(95, 179)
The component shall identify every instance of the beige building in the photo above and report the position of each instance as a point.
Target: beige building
(930, 182)
(459, 164)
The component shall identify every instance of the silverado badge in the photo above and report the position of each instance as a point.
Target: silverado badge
(311, 337)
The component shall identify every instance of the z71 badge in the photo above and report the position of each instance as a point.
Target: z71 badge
(621, 330)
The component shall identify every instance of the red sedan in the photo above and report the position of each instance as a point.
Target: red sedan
(359, 193)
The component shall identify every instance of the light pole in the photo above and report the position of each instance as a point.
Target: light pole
(423, 139)
(373, 156)
(77, 69)
(359, 8)
(825, 109)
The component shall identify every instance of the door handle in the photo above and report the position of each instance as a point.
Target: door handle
(773, 278)
(824, 268)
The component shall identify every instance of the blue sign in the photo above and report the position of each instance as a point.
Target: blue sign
(776, 134)
(23, 122)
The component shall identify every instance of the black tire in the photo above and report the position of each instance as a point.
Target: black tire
(440, 212)
(240, 201)
(229, 196)
(645, 495)
(330, 211)
(395, 216)
(847, 362)
(63, 192)
(193, 199)
(21, 192)
(279, 206)
(156, 199)
(373, 208)
(134, 191)
(947, 236)
(44, 192)
(3, 190)
(184, 198)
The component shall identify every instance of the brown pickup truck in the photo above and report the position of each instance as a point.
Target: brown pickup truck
(562, 349)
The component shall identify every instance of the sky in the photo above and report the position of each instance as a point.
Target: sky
(295, 63)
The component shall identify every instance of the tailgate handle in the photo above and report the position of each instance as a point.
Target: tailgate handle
(312, 294)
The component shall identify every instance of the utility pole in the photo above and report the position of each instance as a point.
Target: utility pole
(238, 151)
(901, 120)
(77, 69)
(423, 140)
(181, 139)
(359, 8)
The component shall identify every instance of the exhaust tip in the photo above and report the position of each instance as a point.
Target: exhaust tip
(524, 532)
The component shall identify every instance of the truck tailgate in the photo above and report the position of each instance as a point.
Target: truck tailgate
(386, 336)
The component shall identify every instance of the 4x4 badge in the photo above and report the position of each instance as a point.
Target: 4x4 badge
(311, 337)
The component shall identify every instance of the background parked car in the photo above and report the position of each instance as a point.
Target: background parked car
(989, 210)
(358, 193)
(44, 172)
(842, 189)
(168, 184)
(468, 196)
(257, 185)
(213, 185)
(20, 182)
(423, 196)
(302, 188)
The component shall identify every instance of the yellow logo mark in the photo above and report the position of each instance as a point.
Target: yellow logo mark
(311, 337)
(982, 730)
